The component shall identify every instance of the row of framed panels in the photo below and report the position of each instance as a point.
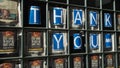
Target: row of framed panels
(77, 61)
(109, 4)
(49, 42)
(78, 18)
(58, 17)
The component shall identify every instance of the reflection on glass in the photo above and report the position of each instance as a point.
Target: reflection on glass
(118, 41)
(119, 60)
(117, 2)
(118, 21)
(78, 2)
(107, 4)
(63, 1)
(93, 3)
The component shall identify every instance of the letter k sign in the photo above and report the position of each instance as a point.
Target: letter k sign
(107, 20)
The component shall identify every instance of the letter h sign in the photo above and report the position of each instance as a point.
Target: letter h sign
(58, 16)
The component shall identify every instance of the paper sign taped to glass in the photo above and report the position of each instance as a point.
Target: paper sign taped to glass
(8, 12)
(94, 42)
(59, 63)
(94, 20)
(119, 61)
(108, 40)
(108, 20)
(35, 43)
(57, 17)
(77, 62)
(109, 61)
(8, 42)
(36, 64)
(10, 64)
(59, 43)
(118, 41)
(77, 18)
(77, 41)
(7, 65)
(95, 61)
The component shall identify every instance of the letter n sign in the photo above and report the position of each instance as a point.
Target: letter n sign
(77, 17)
(107, 20)
(57, 40)
(57, 16)
(93, 16)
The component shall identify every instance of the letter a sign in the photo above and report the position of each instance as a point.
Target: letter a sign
(77, 17)
(57, 40)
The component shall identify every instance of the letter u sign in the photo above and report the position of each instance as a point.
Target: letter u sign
(94, 41)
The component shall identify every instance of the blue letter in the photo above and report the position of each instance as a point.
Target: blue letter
(93, 18)
(93, 41)
(57, 14)
(107, 20)
(77, 41)
(58, 41)
(34, 15)
(77, 17)
(108, 40)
